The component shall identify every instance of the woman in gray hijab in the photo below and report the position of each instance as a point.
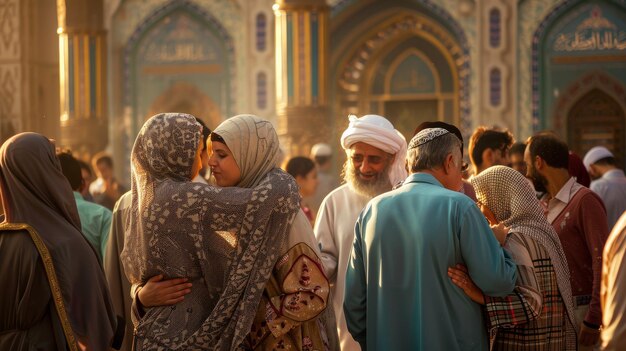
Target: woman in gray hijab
(54, 294)
(189, 230)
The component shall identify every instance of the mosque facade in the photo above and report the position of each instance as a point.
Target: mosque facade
(88, 73)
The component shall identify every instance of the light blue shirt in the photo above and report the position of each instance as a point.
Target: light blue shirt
(95, 222)
(611, 188)
(398, 294)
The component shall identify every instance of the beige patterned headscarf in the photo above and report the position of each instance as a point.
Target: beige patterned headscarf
(254, 145)
(513, 202)
(173, 222)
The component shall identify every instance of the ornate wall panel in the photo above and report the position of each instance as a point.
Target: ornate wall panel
(10, 69)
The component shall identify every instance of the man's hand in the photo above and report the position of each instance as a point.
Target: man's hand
(159, 292)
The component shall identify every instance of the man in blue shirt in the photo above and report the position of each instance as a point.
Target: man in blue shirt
(398, 294)
(95, 220)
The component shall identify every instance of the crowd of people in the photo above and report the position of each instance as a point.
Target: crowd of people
(215, 247)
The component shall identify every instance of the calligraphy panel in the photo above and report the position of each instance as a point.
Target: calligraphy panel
(181, 50)
(591, 29)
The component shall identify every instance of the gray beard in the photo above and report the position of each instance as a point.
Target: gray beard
(368, 188)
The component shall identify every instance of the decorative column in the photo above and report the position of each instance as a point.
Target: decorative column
(302, 74)
(82, 60)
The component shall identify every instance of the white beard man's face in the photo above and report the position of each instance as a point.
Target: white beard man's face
(368, 184)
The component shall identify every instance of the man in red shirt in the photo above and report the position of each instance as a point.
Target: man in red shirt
(579, 218)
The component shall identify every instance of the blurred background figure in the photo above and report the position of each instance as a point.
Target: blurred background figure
(304, 171)
(608, 182)
(106, 189)
(95, 220)
(87, 174)
(577, 169)
(516, 156)
(613, 289)
(489, 147)
(322, 154)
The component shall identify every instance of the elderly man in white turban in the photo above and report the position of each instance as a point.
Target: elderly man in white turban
(376, 154)
(397, 292)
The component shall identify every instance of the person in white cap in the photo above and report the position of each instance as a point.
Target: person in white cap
(608, 182)
(375, 161)
(398, 295)
(322, 154)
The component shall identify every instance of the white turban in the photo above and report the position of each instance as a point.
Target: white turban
(379, 132)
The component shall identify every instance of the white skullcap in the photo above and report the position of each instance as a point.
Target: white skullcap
(596, 154)
(426, 135)
(321, 150)
(379, 132)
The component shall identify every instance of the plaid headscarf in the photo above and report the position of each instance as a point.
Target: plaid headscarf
(513, 202)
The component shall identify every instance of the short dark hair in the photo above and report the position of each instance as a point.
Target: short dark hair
(84, 165)
(206, 131)
(299, 166)
(71, 169)
(102, 157)
(552, 150)
(518, 148)
(487, 138)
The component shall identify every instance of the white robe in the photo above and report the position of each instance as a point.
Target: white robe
(334, 230)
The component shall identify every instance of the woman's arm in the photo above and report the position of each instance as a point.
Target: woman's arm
(519, 307)
(159, 292)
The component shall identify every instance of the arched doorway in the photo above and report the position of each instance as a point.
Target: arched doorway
(411, 81)
(597, 119)
(179, 58)
(186, 98)
(409, 66)
(579, 39)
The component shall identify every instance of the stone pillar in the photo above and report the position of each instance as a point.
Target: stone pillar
(82, 61)
(497, 35)
(29, 66)
(302, 74)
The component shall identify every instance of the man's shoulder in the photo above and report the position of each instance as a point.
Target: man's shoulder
(413, 192)
(92, 207)
(340, 192)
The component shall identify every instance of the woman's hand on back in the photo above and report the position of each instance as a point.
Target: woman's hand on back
(159, 292)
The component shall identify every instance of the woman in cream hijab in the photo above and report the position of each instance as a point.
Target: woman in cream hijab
(538, 315)
(220, 239)
(291, 312)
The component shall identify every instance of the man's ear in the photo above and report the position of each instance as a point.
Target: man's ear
(539, 163)
(82, 185)
(448, 165)
(488, 156)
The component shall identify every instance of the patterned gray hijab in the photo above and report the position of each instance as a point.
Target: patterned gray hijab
(35, 192)
(513, 202)
(169, 212)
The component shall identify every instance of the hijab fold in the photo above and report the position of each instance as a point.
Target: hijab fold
(35, 192)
